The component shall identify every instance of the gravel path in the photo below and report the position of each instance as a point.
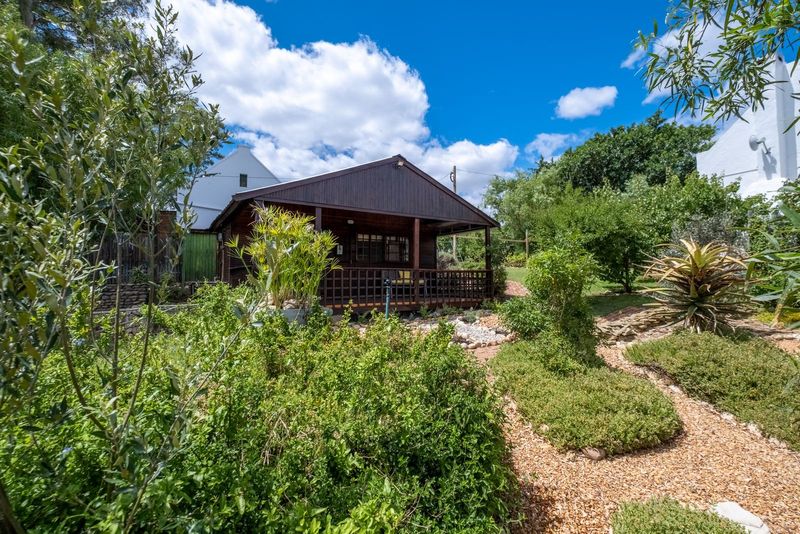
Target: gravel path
(715, 459)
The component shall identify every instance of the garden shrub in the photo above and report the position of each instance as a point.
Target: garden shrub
(668, 516)
(517, 259)
(701, 286)
(524, 316)
(750, 378)
(310, 429)
(556, 279)
(575, 401)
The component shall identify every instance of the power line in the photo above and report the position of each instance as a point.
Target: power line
(476, 172)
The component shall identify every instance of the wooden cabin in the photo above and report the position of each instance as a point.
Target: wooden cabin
(386, 217)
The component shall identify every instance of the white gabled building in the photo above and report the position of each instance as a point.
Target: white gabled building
(760, 151)
(238, 171)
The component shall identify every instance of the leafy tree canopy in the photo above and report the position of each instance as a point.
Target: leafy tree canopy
(655, 148)
(717, 60)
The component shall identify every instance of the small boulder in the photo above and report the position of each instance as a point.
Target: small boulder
(733, 512)
(594, 453)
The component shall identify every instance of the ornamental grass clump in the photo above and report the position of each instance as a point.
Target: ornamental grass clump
(701, 286)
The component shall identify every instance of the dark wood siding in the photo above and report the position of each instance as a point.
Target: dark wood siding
(385, 188)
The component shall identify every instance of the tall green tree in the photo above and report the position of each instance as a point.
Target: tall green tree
(655, 149)
(113, 137)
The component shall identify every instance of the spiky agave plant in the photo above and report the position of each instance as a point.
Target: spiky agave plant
(701, 286)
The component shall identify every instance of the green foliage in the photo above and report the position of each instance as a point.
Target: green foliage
(556, 280)
(701, 287)
(571, 398)
(668, 516)
(775, 267)
(656, 149)
(524, 316)
(722, 79)
(622, 228)
(750, 378)
(516, 259)
(106, 142)
(557, 277)
(470, 254)
(290, 258)
(296, 429)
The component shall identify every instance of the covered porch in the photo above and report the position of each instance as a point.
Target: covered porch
(380, 256)
(386, 218)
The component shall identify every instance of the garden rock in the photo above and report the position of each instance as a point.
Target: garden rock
(472, 335)
(732, 511)
(594, 453)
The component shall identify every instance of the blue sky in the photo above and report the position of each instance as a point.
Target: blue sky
(491, 71)
(315, 86)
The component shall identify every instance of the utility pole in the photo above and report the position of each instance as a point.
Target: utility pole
(453, 181)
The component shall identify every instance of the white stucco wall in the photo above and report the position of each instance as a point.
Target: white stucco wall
(211, 193)
(763, 170)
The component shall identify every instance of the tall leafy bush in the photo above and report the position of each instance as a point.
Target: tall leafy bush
(556, 279)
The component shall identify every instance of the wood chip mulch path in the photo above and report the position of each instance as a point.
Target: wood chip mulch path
(715, 459)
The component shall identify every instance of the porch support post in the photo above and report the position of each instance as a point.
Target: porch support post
(415, 278)
(318, 219)
(487, 244)
(415, 253)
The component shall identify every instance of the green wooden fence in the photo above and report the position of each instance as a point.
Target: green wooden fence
(199, 260)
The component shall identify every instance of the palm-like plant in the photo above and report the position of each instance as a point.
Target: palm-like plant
(701, 286)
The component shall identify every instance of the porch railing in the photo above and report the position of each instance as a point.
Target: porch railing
(410, 288)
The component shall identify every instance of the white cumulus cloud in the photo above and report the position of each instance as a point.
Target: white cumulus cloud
(323, 106)
(586, 101)
(633, 59)
(550, 145)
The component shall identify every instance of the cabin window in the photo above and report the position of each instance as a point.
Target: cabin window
(396, 249)
(374, 248)
(242, 180)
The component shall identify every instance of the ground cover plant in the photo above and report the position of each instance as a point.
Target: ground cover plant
(668, 516)
(559, 383)
(749, 378)
(297, 428)
(577, 402)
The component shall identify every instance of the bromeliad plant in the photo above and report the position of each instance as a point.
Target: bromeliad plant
(702, 286)
(288, 256)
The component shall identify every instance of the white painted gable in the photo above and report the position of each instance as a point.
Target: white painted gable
(739, 152)
(211, 193)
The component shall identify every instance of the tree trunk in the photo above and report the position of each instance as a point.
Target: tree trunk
(8, 521)
(26, 13)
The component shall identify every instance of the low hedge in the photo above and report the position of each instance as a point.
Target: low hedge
(668, 516)
(750, 378)
(577, 402)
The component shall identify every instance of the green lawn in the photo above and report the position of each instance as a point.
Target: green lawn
(603, 297)
(667, 516)
(750, 378)
(577, 404)
(516, 274)
(609, 303)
